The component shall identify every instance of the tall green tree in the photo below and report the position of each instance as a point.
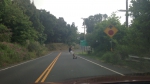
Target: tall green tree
(99, 40)
(49, 21)
(14, 18)
(141, 21)
(60, 30)
(73, 33)
(57, 30)
(81, 36)
(34, 16)
(5, 34)
(28, 23)
(105, 16)
(91, 21)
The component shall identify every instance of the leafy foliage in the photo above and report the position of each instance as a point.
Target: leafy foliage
(28, 23)
(91, 21)
(13, 18)
(5, 34)
(134, 40)
(10, 53)
(34, 16)
(99, 40)
(141, 22)
(24, 30)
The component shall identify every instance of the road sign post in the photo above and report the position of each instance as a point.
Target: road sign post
(83, 43)
(111, 31)
(111, 44)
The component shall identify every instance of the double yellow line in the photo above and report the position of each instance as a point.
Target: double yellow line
(47, 71)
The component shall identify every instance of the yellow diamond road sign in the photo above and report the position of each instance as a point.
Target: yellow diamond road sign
(111, 31)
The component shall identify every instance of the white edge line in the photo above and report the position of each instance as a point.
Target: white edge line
(24, 62)
(103, 66)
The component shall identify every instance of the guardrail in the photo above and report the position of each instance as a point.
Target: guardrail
(136, 58)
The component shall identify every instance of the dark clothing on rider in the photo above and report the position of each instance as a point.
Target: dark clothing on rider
(70, 49)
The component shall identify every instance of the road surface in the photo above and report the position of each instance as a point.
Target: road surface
(55, 67)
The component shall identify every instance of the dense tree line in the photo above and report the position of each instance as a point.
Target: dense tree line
(92, 20)
(99, 40)
(134, 40)
(20, 21)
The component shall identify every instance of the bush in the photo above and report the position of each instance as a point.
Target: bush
(51, 46)
(5, 34)
(34, 46)
(14, 53)
(57, 46)
(77, 46)
(100, 54)
(123, 51)
(110, 57)
(142, 66)
(11, 53)
(37, 48)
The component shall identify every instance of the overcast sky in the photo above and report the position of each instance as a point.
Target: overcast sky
(74, 10)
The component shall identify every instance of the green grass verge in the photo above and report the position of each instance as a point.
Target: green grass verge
(91, 55)
(114, 59)
(14, 53)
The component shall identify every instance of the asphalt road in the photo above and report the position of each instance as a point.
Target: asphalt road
(55, 67)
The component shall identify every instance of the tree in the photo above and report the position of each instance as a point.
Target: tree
(30, 10)
(28, 23)
(72, 33)
(14, 18)
(81, 36)
(91, 21)
(5, 34)
(105, 16)
(49, 21)
(99, 40)
(60, 30)
(141, 21)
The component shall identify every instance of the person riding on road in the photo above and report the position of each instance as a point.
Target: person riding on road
(70, 50)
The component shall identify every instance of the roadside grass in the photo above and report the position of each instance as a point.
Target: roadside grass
(12, 53)
(91, 55)
(114, 59)
(142, 66)
(57, 46)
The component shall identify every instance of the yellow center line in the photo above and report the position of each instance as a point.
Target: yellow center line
(47, 69)
(43, 73)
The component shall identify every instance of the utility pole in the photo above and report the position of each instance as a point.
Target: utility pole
(84, 27)
(126, 13)
(84, 31)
